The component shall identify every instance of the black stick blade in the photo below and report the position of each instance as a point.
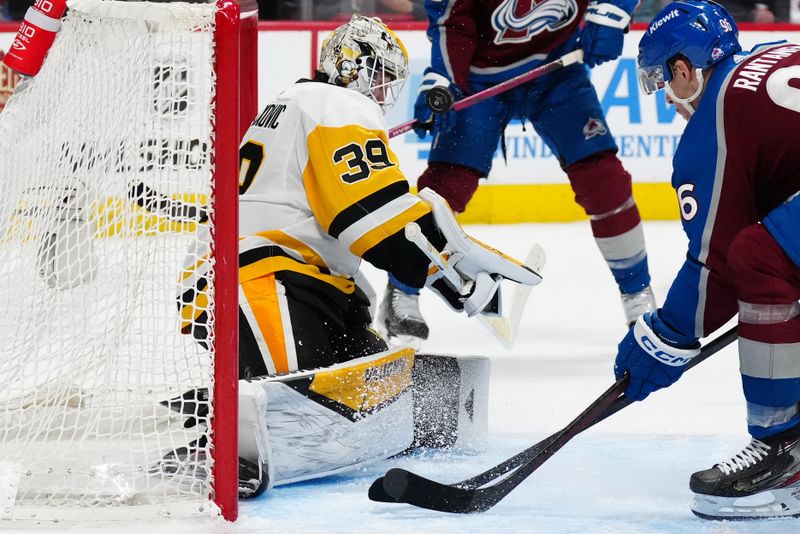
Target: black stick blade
(377, 493)
(410, 488)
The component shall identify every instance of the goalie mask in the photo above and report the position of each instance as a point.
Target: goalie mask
(365, 55)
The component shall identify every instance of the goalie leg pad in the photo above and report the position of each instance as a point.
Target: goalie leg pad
(335, 419)
(255, 466)
(451, 402)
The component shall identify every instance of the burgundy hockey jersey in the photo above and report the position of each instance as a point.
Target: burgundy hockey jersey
(493, 40)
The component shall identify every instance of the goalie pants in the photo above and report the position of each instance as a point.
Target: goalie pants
(290, 321)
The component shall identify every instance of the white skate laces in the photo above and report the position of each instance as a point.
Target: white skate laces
(751, 455)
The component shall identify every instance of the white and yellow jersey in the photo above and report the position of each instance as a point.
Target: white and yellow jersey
(319, 186)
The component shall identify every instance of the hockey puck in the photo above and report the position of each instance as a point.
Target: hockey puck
(440, 99)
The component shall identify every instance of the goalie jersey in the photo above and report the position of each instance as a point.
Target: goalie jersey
(320, 189)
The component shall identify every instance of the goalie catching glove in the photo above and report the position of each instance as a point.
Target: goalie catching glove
(466, 273)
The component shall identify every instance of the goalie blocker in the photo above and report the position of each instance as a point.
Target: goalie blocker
(312, 424)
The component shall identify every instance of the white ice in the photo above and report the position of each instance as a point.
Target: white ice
(629, 474)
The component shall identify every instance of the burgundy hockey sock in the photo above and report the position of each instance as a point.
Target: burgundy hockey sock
(603, 188)
(455, 183)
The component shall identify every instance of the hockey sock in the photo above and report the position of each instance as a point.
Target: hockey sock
(603, 188)
(455, 183)
(408, 290)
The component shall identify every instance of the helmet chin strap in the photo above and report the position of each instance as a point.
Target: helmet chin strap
(687, 102)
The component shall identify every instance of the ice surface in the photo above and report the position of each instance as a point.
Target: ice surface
(630, 474)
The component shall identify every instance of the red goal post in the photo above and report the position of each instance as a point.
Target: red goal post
(238, 76)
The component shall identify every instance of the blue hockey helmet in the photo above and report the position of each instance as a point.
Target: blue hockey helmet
(700, 30)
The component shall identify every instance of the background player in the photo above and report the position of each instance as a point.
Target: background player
(475, 45)
(737, 176)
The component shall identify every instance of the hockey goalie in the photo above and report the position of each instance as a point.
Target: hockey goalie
(320, 190)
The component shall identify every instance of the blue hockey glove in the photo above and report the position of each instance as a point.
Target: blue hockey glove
(603, 34)
(654, 355)
(426, 119)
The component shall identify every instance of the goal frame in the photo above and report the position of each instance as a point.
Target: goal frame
(236, 49)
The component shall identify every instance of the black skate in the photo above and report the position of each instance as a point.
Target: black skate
(253, 479)
(762, 481)
(399, 316)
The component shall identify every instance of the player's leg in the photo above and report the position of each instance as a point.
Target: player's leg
(565, 111)
(459, 157)
(291, 322)
(767, 284)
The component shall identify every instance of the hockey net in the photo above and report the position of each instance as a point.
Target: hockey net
(111, 177)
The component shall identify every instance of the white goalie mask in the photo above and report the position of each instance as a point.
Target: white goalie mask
(365, 55)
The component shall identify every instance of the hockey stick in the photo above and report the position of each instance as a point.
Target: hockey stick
(576, 56)
(506, 329)
(503, 328)
(467, 496)
(151, 200)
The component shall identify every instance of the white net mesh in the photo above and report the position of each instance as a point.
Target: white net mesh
(106, 171)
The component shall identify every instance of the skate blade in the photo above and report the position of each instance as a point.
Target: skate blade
(769, 504)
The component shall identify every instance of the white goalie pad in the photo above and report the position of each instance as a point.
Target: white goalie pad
(253, 433)
(317, 423)
(330, 420)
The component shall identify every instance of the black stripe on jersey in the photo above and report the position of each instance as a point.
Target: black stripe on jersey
(253, 255)
(366, 205)
(270, 251)
(198, 329)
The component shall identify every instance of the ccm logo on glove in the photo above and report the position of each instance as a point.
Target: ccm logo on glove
(659, 350)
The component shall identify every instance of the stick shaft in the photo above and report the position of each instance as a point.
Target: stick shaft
(567, 59)
(415, 235)
(619, 403)
(575, 56)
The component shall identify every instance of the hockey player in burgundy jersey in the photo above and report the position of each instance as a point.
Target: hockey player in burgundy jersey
(477, 44)
(737, 177)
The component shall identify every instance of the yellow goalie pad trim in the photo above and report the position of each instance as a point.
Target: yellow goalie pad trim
(366, 386)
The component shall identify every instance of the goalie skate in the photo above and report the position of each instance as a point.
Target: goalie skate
(399, 318)
(762, 481)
